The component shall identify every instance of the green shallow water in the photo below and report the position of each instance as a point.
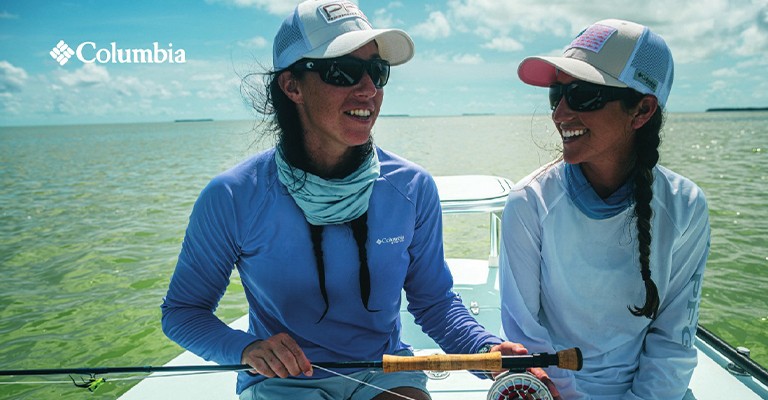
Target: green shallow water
(92, 218)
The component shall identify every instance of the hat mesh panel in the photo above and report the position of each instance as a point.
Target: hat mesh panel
(652, 60)
(288, 35)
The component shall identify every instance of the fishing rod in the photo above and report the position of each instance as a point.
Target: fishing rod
(567, 359)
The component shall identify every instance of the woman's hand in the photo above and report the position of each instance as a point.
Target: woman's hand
(279, 355)
(544, 378)
(512, 349)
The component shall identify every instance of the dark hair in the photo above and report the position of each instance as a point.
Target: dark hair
(281, 117)
(282, 120)
(359, 228)
(647, 141)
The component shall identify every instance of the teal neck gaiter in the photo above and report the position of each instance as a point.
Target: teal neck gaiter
(332, 201)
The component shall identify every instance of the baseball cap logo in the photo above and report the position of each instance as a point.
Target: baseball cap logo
(646, 80)
(61, 52)
(593, 38)
(342, 9)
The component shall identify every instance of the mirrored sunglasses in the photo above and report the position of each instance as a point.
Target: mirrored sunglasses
(347, 70)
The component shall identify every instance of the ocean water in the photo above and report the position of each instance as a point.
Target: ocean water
(92, 218)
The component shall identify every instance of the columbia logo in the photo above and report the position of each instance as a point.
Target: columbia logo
(646, 80)
(62, 52)
(391, 240)
(89, 52)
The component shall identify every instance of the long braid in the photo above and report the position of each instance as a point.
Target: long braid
(647, 141)
(316, 232)
(360, 232)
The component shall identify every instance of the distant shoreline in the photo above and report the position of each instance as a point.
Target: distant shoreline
(194, 120)
(115, 121)
(737, 109)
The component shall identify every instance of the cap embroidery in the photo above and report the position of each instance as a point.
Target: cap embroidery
(646, 80)
(593, 38)
(343, 9)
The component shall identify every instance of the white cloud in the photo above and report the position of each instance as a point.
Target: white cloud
(450, 58)
(710, 29)
(432, 56)
(257, 42)
(491, 18)
(754, 40)
(725, 73)
(384, 17)
(505, 44)
(7, 15)
(436, 27)
(718, 86)
(220, 90)
(130, 86)
(10, 105)
(470, 59)
(208, 77)
(275, 7)
(87, 75)
(12, 78)
(94, 92)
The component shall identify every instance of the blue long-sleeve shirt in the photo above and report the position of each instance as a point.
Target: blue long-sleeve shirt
(246, 219)
(568, 276)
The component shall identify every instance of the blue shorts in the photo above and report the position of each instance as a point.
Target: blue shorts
(336, 387)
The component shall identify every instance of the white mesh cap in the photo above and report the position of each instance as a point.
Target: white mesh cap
(333, 28)
(613, 53)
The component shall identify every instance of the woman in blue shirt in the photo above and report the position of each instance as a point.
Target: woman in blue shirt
(325, 229)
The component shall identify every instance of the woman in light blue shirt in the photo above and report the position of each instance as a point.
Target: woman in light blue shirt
(605, 249)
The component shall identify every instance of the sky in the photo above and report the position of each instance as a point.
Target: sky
(467, 53)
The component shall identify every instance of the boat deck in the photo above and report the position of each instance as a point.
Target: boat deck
(477, 283)
(711, 379)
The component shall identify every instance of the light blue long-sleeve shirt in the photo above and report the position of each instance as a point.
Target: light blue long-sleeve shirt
(246, 219)
(567, 279)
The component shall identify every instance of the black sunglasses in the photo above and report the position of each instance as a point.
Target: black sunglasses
(347, 70)
(585, 96)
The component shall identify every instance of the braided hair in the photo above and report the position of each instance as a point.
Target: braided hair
(360, 232)
(647, 141)
(316, 233)
(285, 126)
(359, 228)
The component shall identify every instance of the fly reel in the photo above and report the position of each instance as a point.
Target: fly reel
(518, 386)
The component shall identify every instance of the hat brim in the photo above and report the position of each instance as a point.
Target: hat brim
(395, 45)
(542, 71)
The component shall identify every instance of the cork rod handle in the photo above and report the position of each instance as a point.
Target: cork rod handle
(443, 362)
(566, 359)
(570, 359)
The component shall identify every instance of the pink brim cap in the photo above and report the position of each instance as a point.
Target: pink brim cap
(610, 52)
(542, 71)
